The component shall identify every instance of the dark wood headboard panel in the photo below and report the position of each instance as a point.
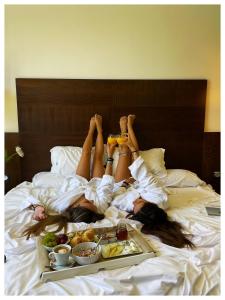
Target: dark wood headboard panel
(170, 114)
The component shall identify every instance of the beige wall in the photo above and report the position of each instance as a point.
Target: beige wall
(113, 42)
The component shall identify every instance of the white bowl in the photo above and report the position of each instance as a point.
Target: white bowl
(86, 260)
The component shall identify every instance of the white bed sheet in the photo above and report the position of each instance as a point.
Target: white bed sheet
(173, 272)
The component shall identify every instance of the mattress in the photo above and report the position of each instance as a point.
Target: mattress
(172, 272)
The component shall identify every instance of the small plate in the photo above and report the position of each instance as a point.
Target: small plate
(71, 264)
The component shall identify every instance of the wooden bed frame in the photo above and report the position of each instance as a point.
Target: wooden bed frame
(170, 114)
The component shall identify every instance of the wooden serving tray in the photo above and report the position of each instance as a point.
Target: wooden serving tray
(102, 264)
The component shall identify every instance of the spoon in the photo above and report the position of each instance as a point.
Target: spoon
(98, 243)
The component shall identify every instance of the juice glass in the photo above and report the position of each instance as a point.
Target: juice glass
(122, 138)
(122, 233)
(112, 138)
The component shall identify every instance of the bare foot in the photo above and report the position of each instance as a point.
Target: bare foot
(131, 119)
(39, 213)
(123, 124)
(98, 122)
(92, 124)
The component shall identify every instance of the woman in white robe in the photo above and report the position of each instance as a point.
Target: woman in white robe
(133, 179)
(141, 195)
(88, 195)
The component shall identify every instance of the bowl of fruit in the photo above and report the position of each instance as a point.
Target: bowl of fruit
(50, 240)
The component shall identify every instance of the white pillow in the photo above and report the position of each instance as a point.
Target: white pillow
(65, 159)
(48, 179)
(181, 178)
(154, 159)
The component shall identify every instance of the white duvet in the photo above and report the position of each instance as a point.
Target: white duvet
(173, 272)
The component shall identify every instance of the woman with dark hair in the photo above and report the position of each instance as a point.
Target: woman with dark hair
(89, 195)
(141, 195)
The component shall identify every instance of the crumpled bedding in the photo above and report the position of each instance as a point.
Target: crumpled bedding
(173, 272)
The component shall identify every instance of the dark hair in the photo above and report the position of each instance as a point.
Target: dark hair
(156, 222)
(82, 214)
(72, 214)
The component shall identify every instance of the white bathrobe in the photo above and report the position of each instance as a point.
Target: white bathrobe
(146, 186)
(97, 190)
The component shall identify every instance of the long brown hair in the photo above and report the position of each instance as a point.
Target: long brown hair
(40, 227)
(72, 214)
(156, 222)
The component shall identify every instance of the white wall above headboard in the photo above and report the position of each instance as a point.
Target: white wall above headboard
(113, 42)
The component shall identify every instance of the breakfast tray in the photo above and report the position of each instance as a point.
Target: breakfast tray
(102, 264)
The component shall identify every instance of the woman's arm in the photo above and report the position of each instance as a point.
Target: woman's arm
(39, 200)
(108, 169)
(150, 189)
(105, 189)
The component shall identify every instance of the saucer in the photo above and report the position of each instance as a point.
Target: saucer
(70, 264)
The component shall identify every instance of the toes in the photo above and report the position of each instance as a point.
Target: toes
(123, 118)
(98, 116)
(92, 122)
(132, 116)
(98, 119)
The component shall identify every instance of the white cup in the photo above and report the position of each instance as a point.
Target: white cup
(60, 259)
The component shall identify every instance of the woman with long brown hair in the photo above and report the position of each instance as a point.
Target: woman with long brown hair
(141, 194)
(91, 192)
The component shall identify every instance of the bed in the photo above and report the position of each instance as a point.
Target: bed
(46, 110)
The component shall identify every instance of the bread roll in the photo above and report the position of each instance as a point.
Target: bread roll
(75, 240)
(88, 235)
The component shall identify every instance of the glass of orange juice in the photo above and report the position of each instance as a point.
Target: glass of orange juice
(122, 138)
(112, 138)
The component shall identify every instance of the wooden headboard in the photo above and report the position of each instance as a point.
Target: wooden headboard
(170, 114)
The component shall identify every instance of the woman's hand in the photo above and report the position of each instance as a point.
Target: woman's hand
(39, 213)
(111, 149)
